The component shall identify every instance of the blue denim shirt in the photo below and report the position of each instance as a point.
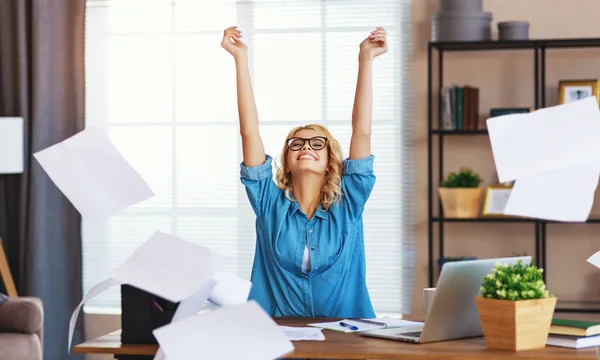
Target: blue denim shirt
(336, 285)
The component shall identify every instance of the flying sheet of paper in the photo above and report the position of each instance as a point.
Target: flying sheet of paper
(189, 307)
(193, 304)
(210, 335)
(302, 333)
(93, 175)
(546, 196)
(550, 139)
(166, 266)
(595, 259)
(230, 290)
(93, 292)
(169, 267)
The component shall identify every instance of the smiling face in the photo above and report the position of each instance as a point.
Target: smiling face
(313, 157)
(302, 157)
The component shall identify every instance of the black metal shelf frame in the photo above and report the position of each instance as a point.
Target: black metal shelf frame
(538, 48)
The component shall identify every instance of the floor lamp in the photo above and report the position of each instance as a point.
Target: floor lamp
(11, 163)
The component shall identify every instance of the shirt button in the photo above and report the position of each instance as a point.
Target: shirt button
(310, 231)
(312, 248)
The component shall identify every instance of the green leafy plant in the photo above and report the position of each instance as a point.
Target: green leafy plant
(465, 178)
(514, 282)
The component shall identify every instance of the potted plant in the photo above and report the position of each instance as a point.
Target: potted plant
(460, 194)
(515, 308)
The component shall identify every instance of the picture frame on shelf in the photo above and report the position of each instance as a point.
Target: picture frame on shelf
(573, 90)
(495, 200)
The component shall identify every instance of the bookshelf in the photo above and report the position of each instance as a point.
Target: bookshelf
(538, 48)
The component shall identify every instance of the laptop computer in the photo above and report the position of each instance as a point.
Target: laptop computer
(453, 313)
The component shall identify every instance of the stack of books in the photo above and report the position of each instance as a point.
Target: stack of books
(574, 334)
(460, 108)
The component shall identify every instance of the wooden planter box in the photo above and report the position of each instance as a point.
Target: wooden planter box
(461, 202)
(515, 325)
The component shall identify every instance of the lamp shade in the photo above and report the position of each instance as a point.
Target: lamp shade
(11, 145)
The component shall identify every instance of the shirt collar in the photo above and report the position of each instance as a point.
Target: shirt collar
(321, 213)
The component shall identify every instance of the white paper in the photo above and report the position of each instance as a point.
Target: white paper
(566, 195)
(195, 303)
(547, 140)
(230, 290)
(241, 331)
(223, 289)
(385, 322)
(189, 307)
(397, 323)
(302, 333)
(169, 267)
(595, 259)
(93, 175)
(92, 293)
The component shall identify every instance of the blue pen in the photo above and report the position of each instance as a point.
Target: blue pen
(351, 327)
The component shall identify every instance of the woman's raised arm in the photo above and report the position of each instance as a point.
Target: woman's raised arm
(374, 45)
(252, 146)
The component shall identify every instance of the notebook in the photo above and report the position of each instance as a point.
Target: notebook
(364, 324)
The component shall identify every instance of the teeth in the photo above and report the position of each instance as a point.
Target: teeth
(306, 156)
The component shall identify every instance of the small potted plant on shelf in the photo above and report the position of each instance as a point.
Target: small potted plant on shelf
(460, 194)
(515, 308)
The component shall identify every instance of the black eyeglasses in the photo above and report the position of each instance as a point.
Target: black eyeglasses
(316, 143)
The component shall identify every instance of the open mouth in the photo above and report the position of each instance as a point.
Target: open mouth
(307, 156)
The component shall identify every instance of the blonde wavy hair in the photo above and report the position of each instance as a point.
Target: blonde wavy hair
(331, 192)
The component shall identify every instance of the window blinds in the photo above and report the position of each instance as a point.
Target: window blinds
(158, 82)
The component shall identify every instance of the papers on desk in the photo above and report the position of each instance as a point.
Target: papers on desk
(93, 175)
(241, 331)
(358, 325)
(302, 333)
(553, 155)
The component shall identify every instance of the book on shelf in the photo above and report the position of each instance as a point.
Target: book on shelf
(460, 107)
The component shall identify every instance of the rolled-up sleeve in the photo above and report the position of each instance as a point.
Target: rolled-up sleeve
(358, 180)
(259, 184)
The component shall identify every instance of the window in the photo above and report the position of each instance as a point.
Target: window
(161, 86)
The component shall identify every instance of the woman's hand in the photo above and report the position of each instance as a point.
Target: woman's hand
(253, 150)
(374, 45)
(232, 42)
(360, 142)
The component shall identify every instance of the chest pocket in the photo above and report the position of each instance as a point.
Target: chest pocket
(338, 263)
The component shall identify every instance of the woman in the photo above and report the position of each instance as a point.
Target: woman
(309, 257)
